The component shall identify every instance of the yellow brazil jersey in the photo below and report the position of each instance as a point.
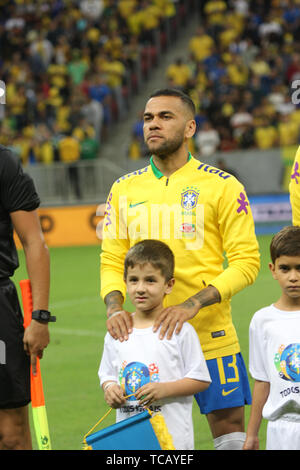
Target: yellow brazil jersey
(288, 133)
(200, 212)
(265, 137)
(69, 149)
(238, 74)
(295, 189)
(179, 74)
(201, 46)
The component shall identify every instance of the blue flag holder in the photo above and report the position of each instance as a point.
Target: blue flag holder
(134, 433)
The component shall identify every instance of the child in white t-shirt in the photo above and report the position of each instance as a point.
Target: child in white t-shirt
(274, 360)
(162, 374)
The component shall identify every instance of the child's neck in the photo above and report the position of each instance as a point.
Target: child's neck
(142, 319)
(287, 303)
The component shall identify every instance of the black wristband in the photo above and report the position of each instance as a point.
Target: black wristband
(43, 316)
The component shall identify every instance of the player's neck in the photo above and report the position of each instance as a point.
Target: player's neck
(142, 319)
(172, 162)
(288, 304)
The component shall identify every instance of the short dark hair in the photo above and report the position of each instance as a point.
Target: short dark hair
(155, 252)
(178, 94)
(285, 243)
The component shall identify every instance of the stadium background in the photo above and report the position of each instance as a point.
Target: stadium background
(77, 75)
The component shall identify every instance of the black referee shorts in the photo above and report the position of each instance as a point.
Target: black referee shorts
(14, 363)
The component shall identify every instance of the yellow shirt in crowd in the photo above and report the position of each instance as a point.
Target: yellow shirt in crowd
(69, 149)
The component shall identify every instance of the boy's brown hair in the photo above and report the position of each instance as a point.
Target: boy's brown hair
(285, 243)
(155, 252)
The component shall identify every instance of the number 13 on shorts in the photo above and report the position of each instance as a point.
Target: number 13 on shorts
(232, 373)
(229, 386)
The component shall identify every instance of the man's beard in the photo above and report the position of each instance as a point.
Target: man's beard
(166, 148)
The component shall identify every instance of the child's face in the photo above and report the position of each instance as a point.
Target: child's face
(147, 287)
(286, 271)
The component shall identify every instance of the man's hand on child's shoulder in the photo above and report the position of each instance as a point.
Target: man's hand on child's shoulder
(119, 325)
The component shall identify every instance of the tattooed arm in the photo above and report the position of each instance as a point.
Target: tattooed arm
(119, 321)
(172, 318)
(208, 296)
(114, 302)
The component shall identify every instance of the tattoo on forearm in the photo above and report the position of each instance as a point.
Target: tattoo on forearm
(189, 303)
(114, 301)
(208, 296)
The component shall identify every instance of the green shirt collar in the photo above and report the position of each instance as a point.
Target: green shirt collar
(157, 172)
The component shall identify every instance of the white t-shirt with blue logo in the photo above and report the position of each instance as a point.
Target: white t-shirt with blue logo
(274, 357)
(145, 358)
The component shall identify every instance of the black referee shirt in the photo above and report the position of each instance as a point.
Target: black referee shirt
(17, 192)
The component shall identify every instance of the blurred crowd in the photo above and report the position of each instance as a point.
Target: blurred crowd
(242, 70)
(70, 70)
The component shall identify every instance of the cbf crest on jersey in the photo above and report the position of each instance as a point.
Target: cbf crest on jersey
(189, 198)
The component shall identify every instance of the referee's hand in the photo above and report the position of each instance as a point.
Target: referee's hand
(36, 339)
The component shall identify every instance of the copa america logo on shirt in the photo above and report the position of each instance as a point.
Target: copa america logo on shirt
(135, 375)
(287, 362)
(140, 220)
(2, 92)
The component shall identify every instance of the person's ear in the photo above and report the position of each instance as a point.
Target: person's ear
(272, 269)
(169, 286)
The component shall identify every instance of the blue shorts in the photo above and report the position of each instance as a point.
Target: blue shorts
(229, 387)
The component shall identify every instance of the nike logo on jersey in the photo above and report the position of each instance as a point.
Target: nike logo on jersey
(224, 393)
(136, 204)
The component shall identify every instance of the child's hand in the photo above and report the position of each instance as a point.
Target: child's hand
(150, 393)
(114, 396)
(251, 443)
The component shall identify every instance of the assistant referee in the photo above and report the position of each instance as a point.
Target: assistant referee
(18, 211)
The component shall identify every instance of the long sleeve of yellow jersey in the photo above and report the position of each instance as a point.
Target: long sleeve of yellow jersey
(294, 188)
(236, 226)
(114, 246)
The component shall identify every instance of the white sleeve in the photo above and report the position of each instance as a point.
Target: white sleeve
(108, 370)
(192, 355)
(257, 351)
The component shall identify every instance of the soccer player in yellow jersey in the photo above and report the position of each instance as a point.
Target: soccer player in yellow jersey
(200, 212)
(295, 189)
